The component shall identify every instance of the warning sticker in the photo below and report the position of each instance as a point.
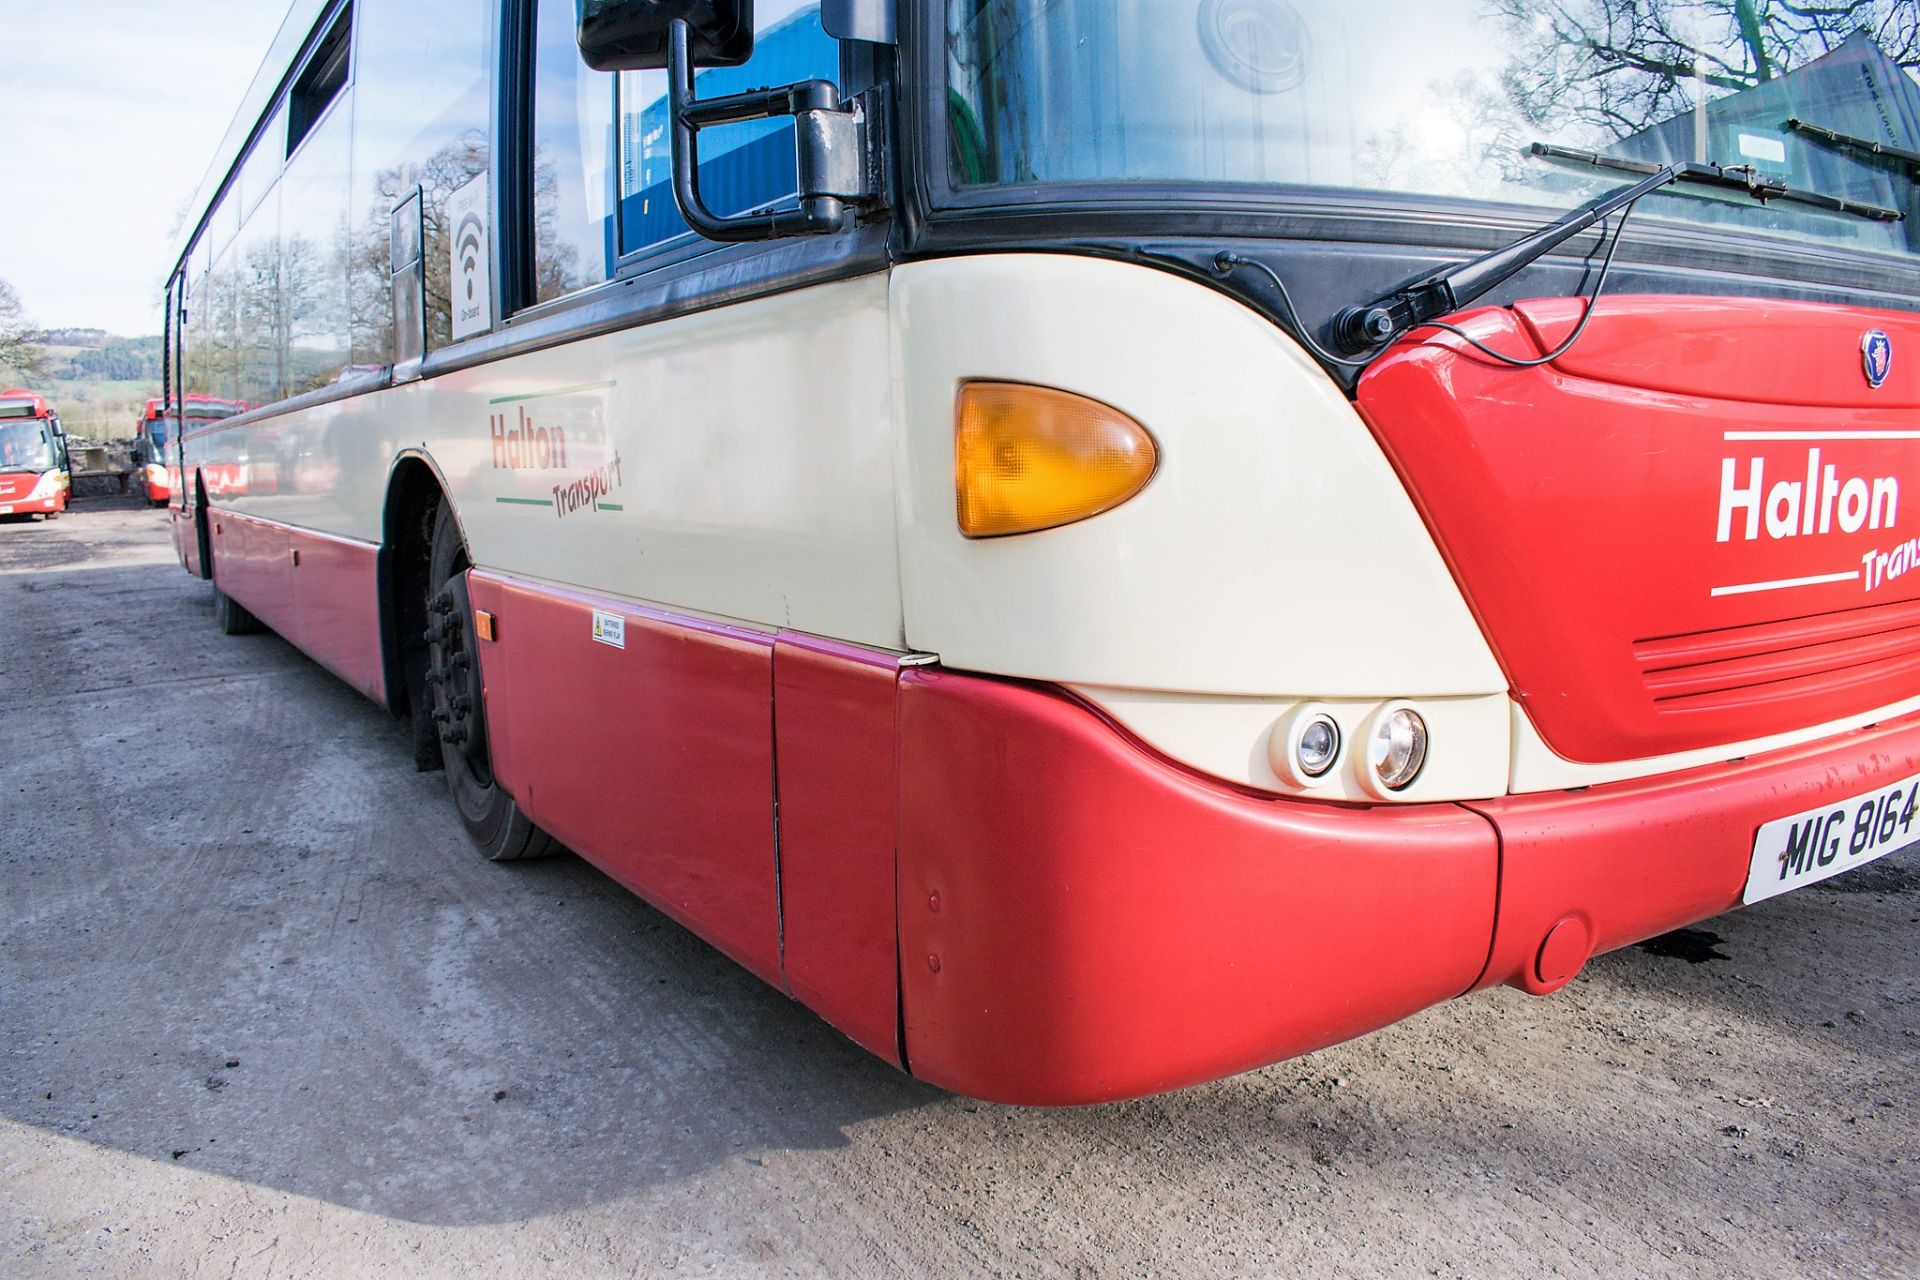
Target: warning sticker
(609, 629)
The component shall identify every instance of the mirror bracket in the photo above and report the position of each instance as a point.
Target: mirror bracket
(830, 145)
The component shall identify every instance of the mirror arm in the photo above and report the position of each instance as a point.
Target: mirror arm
(829, 141)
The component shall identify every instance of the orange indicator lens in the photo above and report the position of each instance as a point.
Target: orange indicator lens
(1028, 458)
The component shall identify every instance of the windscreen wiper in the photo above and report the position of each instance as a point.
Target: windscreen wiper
(1742, 177)
(1377, 323)
(1865, 146)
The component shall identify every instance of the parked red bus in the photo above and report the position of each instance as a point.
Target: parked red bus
(156, 458)
(1099, 545)
(35, 476)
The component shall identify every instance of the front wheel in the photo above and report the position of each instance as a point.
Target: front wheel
(492, 817)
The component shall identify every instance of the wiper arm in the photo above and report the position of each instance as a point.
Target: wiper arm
(1865, 146)
(1372, 326)
(1735, 177)
(1381, 321)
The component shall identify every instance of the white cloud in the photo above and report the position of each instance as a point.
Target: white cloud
(105, 130)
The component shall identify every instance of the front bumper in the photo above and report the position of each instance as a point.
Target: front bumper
(35, 506)
(1081, 920)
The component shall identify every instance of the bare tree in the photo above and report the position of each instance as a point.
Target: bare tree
(21, 357)
(1625, 65)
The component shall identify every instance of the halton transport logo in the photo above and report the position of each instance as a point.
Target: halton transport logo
(1876, 355)
(1775, 504)
(536, 440)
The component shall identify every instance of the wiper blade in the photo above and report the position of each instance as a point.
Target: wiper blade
(1865, 146)
(1735, 177)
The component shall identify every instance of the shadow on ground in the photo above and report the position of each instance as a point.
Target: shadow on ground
(240, 934)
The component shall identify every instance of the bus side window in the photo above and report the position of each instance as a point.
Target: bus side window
(572, 160)
(743, 166)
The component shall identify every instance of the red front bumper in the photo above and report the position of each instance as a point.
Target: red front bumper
(1081, 921)
(35, 506)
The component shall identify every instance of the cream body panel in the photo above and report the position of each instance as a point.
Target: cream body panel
(754, 477)
(1537, 767)
(1231, 738)
(1274, 551)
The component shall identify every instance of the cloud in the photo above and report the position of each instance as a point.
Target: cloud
(112, 120)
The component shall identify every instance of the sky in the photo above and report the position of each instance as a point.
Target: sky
(103, 150)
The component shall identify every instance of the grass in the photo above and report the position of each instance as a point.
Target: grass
(98, 409)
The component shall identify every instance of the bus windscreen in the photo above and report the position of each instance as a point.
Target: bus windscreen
(26, 446)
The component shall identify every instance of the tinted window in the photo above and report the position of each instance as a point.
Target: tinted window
(572, 160)
(315, 249)
(420, 117)
(261, 169)
(262, 320)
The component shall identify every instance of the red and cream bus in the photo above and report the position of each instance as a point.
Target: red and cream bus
(1098, 544)
(35, 475)
(156, 441)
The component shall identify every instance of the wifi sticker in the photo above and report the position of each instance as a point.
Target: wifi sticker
(470, 274)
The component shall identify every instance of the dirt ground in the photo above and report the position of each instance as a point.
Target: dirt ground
(262, 1012)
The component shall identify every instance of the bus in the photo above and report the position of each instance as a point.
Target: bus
(156, 470)
(35, 474)
(1097, 544)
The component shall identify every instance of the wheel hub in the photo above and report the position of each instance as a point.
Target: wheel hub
(453, 672)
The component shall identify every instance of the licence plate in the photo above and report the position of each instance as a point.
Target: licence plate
(1819, 844)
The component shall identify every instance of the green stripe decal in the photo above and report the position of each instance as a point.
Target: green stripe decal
(559, 391)
(611, 506)
(524, 502)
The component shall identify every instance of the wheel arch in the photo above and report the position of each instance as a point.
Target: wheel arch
(202, 525)
(415, 489)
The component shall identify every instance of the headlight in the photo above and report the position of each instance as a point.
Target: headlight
(1305, 746)
(1396, 747)
(47, 485)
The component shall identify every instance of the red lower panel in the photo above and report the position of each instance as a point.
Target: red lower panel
(834, 717)
(251, 564)
(1081, 921)
(653, 761)
(336, 608)
(1638, 859)
(320, 593)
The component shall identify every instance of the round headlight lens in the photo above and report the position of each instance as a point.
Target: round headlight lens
(1318, 746)
(1399, 748)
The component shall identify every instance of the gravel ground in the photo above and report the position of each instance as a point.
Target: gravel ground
(263, 1013)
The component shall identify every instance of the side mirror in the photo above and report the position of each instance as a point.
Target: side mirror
(633, 35)
(831, 158)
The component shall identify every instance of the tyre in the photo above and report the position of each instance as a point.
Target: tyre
(492, 818)
(232, 617)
